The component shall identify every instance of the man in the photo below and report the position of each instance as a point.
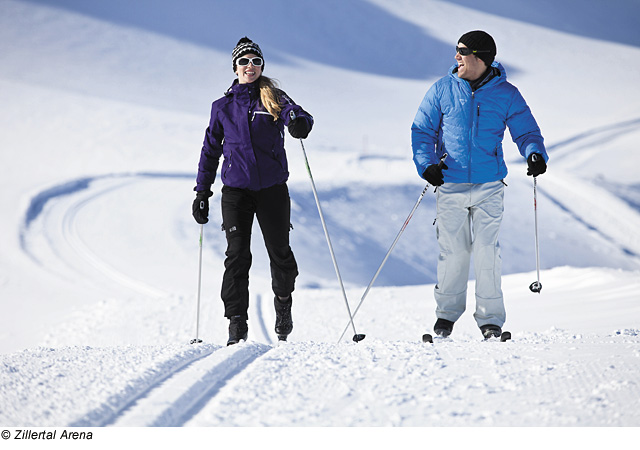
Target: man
(465, 114)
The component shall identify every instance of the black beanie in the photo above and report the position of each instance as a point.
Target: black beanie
(244, 47)
(483, 43)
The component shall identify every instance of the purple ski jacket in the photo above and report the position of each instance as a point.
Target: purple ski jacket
(252, 143)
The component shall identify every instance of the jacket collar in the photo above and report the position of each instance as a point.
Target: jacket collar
(486, 77)
(495, 74)
(251, 89)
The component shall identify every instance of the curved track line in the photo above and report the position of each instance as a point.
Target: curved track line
(595, 135)
(67, 228)
(72, 237)
(597, 210)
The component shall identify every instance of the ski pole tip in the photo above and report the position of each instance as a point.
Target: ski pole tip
(195, 341)
(358, 337)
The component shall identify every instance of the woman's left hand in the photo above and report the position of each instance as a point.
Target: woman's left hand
(299, 128)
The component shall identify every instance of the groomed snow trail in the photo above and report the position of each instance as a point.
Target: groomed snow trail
(538, 379)
(171, 402)
(557, 379)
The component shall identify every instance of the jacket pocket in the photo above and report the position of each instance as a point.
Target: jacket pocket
(253, 117)
(226, 166)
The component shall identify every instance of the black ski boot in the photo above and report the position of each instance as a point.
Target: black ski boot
(284, 323)
(443, 327)
(491, 331)
(238, 330)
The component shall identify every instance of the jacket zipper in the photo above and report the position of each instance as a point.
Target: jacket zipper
(471, 135)
(252, 115)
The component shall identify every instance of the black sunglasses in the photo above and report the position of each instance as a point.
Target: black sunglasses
(466, 51)
(256, 61)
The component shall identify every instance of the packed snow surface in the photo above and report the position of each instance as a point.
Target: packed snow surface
(104, 107)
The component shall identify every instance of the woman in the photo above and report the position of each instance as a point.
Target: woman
(247, 127)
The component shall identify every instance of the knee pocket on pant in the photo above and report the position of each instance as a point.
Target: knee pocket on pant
(238, 242)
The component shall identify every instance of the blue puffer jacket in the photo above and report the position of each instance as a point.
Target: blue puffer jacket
(470, 126)
(252, 142)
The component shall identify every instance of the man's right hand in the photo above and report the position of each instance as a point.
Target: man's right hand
(433, 174)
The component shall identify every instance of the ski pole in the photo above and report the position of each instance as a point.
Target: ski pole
(197, 340)
(406, 222)
(356, 337)
(536, 286)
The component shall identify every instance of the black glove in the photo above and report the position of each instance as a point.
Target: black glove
(433, 174)
(200, 207)
(536, 165)
(299, 128)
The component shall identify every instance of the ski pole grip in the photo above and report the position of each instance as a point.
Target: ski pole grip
(534, 157)
(292, 115)
(442, 160)
(201, 204)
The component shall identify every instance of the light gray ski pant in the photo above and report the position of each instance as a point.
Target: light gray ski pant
(468, 221)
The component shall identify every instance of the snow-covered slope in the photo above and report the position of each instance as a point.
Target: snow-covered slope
(103, 113)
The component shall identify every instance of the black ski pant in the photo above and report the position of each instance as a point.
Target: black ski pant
(272, 208)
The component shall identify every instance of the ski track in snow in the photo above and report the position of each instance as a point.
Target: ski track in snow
(172, 401)
(52, 219)
(432, 384)
(560, 379)
(596, 210)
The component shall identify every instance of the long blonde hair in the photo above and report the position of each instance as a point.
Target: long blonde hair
(269, 96)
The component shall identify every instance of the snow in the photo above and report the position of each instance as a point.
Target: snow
(103, 115)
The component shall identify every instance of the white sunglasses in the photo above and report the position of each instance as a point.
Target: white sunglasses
(256, 61)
